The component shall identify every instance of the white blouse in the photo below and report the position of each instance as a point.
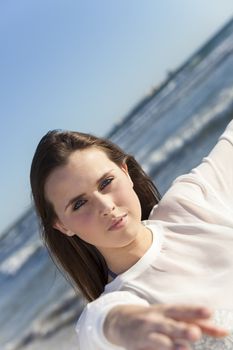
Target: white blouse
(191, 256)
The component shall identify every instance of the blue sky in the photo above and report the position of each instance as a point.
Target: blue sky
(82, 65)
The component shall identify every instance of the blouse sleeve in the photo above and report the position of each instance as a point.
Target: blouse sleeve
(90, 324)
(216, 170)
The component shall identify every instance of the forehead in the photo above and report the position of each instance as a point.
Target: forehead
(82, 170)
(88, 159)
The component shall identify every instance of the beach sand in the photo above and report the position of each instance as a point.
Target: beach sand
(56, 329)
(64, 339)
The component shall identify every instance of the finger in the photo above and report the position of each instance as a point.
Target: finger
(159, 341)
(184, 312)
(176, 329)
(182, 346)
(162, 342)
(209, 328)
(197, 315)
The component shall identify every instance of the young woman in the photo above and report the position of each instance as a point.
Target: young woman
(152, 270)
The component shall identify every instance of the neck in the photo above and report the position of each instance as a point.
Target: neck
(121, 259)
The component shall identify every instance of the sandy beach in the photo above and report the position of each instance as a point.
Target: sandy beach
(56, 327)
(65, 338)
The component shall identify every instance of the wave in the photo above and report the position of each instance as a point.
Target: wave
(54, 319)
(221, 107)
(15, 262)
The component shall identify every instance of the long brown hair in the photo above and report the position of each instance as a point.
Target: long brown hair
(81, 262)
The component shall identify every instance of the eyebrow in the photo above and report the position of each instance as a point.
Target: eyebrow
(76, 198)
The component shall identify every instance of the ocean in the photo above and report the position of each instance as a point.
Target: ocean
(169, 131)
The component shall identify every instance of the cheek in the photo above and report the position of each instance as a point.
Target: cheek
(130, 198)
(83, 219)
(84, 223)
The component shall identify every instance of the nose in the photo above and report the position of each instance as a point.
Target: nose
(105, 204)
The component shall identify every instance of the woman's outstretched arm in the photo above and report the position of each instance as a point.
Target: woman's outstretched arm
(162, 327)
(110, 323)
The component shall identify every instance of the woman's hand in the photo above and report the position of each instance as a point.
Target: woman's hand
(159, 327)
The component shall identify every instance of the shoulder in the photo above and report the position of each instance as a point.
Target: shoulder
(185, 192)
(92, 318)
(105, 302)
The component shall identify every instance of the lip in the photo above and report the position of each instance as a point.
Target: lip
(118, 223)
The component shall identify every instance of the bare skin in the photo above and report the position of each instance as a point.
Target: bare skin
(159, 327)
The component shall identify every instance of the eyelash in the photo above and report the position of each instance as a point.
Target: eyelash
(103, 184)
(79, 204)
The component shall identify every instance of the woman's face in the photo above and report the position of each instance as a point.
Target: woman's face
(94, 199)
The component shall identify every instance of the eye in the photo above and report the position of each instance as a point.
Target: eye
(105, 182)
(79, 204)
